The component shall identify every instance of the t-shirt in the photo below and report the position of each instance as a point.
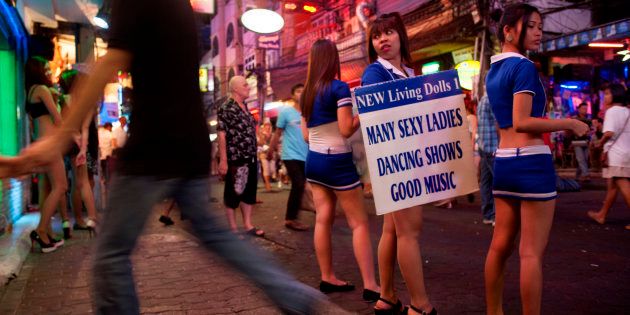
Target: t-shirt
(293, 145)
(325, 106)
(619, 152)
(168, 136)
(511, 74)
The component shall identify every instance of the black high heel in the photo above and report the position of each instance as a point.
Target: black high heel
(45, 247)
(370, 296)
(419, 311)
(66, 229)
(78, 227)
(395, 309)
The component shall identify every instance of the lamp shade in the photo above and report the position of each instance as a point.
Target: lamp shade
(262, 21)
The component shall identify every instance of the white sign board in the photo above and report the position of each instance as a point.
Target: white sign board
(416, 140)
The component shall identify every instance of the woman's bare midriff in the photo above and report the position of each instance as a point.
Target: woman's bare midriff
(46, 126)
(512, 139)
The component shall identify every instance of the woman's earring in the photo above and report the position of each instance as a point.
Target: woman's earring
(509, 38)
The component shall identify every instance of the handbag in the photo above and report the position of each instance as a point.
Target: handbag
(604, 158)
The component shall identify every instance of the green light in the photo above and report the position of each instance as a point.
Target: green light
(431, 67)
(8, 104)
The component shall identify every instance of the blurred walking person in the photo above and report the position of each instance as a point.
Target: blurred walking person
(142, 34)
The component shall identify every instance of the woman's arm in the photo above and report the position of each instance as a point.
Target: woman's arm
(523, 122)
(304, 129)
(348, 124)
(607, 136)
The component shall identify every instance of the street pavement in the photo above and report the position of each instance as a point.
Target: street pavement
(586, 267)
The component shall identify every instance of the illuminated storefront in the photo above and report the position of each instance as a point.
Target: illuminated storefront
(13, 52)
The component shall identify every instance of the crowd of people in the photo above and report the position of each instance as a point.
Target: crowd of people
(518, 179)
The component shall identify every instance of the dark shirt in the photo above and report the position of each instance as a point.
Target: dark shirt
(240, 131)
(168, 135)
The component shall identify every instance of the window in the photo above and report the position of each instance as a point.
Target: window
(229, 37)
(215, 47)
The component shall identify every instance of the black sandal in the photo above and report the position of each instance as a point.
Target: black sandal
(255, 232)
(419, 311)
(394, 310)
(327, 287)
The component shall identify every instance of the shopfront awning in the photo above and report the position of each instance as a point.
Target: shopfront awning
(610, 31)
(49, 12)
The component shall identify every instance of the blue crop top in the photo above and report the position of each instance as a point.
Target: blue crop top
(510, 74)
(326, 103)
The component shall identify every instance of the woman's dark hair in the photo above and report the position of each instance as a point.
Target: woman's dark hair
(618, 93)
(323, 67)
(35, 72)
(511, 17)
(385, 22)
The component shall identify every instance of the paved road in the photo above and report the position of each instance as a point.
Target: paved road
(587, 266)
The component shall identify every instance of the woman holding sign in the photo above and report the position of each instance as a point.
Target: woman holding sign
(524, 175)
(388, 48)
(327, 111)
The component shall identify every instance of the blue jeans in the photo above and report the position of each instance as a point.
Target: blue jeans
(131, 199)
(581, 156)
(486, 166)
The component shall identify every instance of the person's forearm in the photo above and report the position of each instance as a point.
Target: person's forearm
(273, 145)
(539, 125)
(222, 147)
(607, 136)
(89, 91)
(85, 131)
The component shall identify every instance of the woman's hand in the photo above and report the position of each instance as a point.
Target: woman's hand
(579, 128)
(81, 158)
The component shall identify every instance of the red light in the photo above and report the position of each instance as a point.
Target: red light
(290, 6)
(310, 8)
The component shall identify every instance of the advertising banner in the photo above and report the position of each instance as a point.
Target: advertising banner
(418, 146)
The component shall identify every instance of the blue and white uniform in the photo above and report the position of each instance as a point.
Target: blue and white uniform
(383, 71)
(525, 173)
(329, 159)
